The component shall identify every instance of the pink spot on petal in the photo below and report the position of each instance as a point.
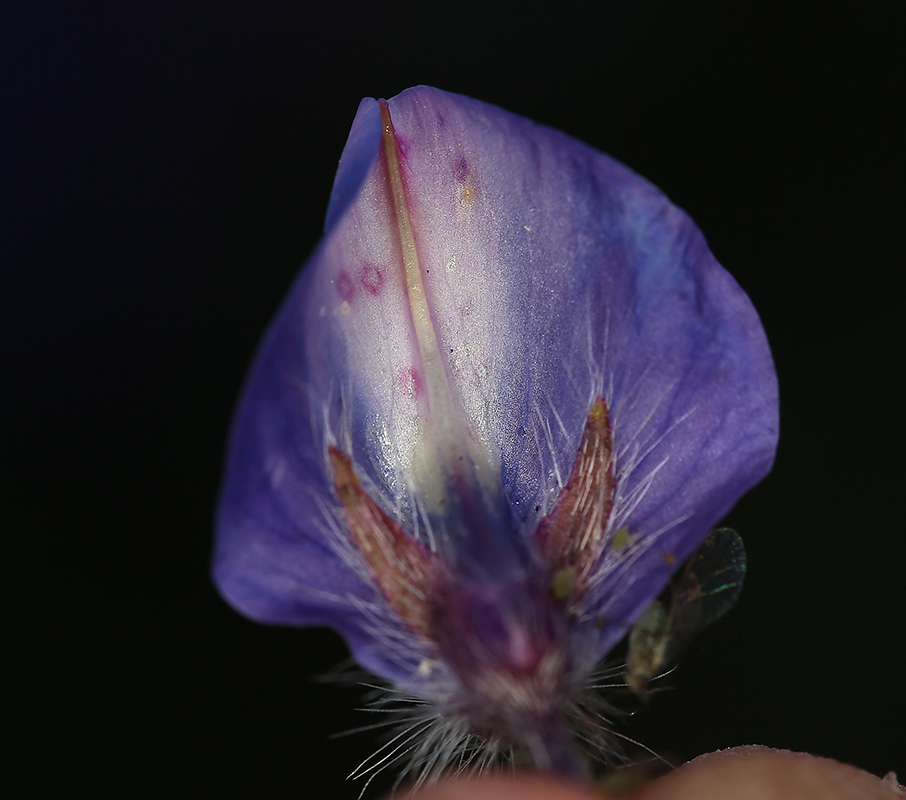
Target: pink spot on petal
(345, 286)
(411, 382)
(372, 279)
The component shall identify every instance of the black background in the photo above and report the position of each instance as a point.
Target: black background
(166, 168)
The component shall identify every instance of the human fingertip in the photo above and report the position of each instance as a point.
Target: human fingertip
(503, 787)
(760, 773)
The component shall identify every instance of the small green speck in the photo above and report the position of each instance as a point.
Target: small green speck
(564, 580)
(620, 539)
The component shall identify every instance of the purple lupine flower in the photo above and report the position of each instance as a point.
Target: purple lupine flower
(511, 392)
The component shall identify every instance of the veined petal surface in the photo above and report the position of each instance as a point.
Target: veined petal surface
(552, 276)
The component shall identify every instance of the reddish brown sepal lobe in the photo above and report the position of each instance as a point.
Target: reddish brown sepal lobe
(406, 573)
(571, 535)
